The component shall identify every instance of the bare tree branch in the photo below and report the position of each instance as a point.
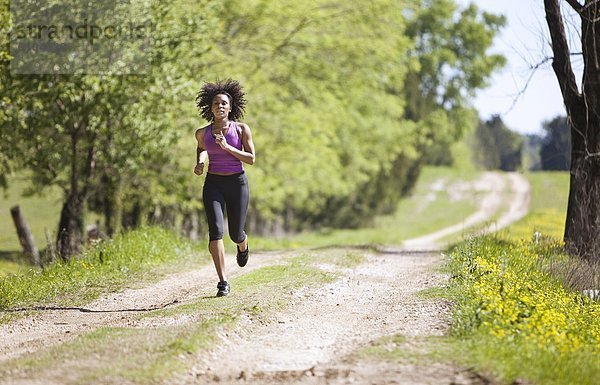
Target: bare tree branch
(562, 61)
(532, 70)
(575, 5)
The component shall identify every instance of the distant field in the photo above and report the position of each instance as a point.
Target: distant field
(41, 211)
(548, 208)
(430, 207)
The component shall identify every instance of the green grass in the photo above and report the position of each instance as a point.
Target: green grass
(139, 255)
(513, 320)
(41, 211)
(514, 316)
(13, 262)
(549, 194)
(146, 355)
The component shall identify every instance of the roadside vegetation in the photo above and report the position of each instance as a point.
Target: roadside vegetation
(518, 304)
(515, 318)
(435, 202)
(150, 252)
(547, 210)
(520, 310)
(424, 210)
(132, 258)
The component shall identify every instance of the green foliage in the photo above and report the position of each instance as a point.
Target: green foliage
(449, 62)
(332, 115)
(428, 208)
(106, 139)
(40, 212)
(508, 304)
(328, 87)
(532, 144)
(496, 147)
(6, 165)
(332, 90)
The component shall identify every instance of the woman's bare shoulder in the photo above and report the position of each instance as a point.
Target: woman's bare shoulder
(243, 126)
(201, 130)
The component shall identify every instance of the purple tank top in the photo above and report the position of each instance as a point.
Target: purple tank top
(219, 160)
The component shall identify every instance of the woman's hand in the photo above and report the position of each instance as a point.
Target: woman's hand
(199, 169)
(221, 141)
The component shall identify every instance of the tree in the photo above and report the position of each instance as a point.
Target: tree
(449, 63)
(5, 25)
(582, 227)
(556, 147)
(323, 76)
(532, 145)
(329, 81)
(88, 132)
(326, 83)
(496, 147)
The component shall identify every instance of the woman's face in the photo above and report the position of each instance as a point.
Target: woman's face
(221, 106)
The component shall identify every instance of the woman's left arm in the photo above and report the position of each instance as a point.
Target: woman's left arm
(246, 154)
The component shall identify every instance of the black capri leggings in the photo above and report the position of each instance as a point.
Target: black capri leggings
(226, 192)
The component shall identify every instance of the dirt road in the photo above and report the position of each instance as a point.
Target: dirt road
(315, 339)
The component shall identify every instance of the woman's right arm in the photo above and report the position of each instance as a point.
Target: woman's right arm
(200, 152)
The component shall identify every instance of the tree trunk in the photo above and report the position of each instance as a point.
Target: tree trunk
(113, 207)
(190, 225)
(51, 246)
(70, 228)
(582, 227)
(25, 236)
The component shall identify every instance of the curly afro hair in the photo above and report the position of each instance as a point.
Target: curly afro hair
(229, 87)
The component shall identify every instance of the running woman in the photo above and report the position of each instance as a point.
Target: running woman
(228, 144)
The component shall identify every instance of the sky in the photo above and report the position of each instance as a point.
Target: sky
(522, 97)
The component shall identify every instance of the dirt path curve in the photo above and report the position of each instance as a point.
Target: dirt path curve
(312, 341)
(492, 185)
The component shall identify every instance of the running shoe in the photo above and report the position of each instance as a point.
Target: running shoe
(242, 257)
(223, 289)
